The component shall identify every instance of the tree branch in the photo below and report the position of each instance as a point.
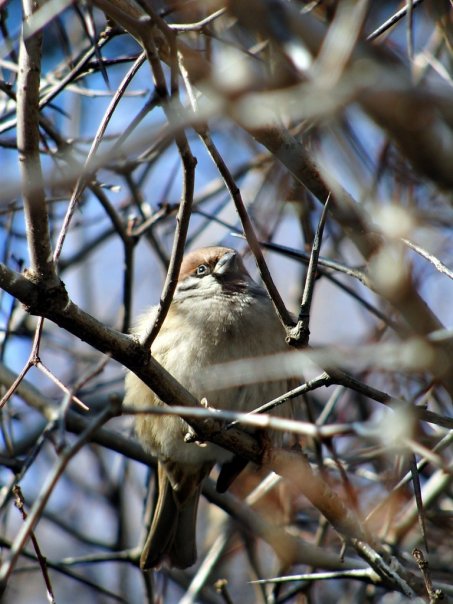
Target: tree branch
(41, 263)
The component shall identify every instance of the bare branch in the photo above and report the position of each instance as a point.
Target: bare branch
(41, 263)
(8, 565)
(252, 240)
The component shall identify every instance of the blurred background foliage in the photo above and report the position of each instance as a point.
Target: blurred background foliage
(301, 100)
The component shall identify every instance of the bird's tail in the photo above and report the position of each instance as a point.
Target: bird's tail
(172, 536)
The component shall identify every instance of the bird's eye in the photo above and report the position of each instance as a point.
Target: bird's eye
(202, 270)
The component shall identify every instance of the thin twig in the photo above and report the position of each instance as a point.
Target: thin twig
(418, 499)
(40, 365)
(392, 21)
(301, 256)
(364, 574)
(61, 84)
(320, 381)
(434, 261)
(434, 594)
(299, 335)
(284, 315)
(20, 505)
(32, 360)
(46, 491)
(209, 563)
(70, 393)
(88, 166)
(198, 25)
(445, 442)
(410, 29)
(12, 389)
(60, 568)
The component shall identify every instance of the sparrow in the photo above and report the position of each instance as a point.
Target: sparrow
(218, 314)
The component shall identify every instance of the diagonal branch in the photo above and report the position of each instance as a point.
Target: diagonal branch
(249, 232)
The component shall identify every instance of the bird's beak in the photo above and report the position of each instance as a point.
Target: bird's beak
(231, 268)
(227, 263)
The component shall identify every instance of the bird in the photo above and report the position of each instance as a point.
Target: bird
(218, 314)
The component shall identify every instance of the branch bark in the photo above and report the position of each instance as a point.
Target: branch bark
(41, 262)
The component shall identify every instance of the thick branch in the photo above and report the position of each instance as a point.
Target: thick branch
(40, 251)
